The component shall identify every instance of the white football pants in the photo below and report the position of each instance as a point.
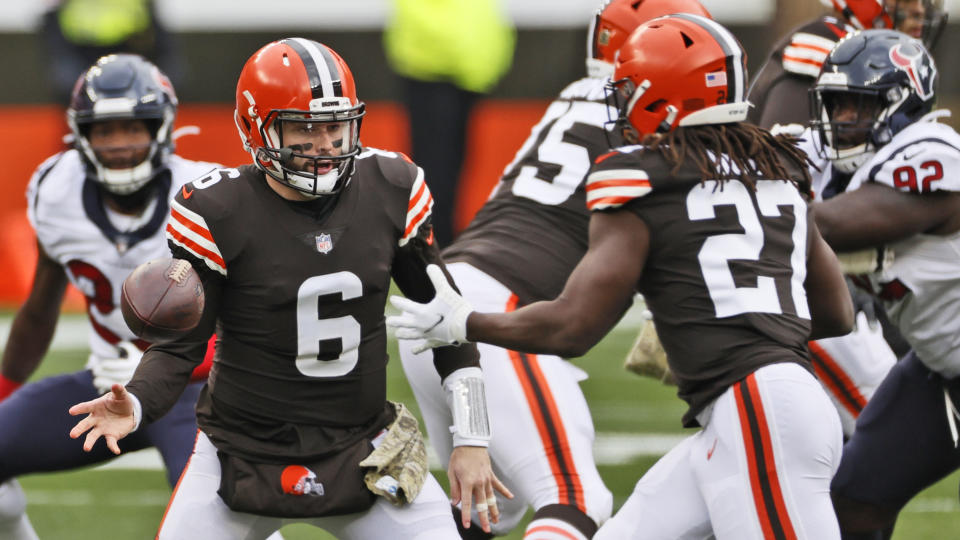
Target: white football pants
(759, 469)
(196, 511)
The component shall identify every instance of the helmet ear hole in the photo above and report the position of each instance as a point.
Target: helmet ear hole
(655, 105)
(246, 123)
(687, 42)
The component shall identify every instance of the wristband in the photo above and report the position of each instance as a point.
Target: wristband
(468, 405)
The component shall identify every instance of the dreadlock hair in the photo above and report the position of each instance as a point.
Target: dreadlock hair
(735, 151)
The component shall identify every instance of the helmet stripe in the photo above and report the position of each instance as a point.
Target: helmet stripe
(321, 68)
(736, 76)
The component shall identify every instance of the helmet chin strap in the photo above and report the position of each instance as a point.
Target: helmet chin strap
(850, 159)
(125, 181)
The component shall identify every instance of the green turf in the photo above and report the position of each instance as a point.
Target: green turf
(96, 504)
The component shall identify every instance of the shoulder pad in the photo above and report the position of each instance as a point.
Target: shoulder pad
(920, 159)
(59, 170)
(199, 204)
(587, 88)
(615, 179)
(394, 167)
(186, 170)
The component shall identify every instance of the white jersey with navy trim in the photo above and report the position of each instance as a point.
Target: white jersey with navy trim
(921, 289)
(820, 170)
(67, 214)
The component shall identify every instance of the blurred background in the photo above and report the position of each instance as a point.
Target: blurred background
(203, 45)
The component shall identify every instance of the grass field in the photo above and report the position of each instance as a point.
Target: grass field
(128, 504)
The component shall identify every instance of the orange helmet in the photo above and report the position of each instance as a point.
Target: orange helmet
(862, 14)
(679, 70)
(617, 18)
(298, 80)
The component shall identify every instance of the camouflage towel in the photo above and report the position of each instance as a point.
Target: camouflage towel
(398, 467)
(647, 357)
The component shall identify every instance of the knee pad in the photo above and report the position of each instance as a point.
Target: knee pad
(565, 517)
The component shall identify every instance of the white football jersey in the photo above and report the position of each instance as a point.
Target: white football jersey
(921, 289)
(821, 172)
(75, 230)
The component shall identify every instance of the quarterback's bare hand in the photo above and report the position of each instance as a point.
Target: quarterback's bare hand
(109, 416)
(472, 483)
(441, 322)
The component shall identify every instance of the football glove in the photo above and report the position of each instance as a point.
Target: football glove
(865, 261)
(119, 370)
(441, 322)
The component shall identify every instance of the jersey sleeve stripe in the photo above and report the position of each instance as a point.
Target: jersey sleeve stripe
(806, 53)
(618, 183)
(807, 60)
(608, 202)
(189, 230)
(606, 189)
(211, 258)
(807, 49)
(802, 67)
(605, 156)
(418, 208)
(185, 223)
(804, 39)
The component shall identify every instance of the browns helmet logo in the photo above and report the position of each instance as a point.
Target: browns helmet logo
(299, 480)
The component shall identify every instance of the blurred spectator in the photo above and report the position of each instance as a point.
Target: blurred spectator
(78, 32)
(447, 53)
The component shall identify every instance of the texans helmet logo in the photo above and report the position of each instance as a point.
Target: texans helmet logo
(911, 61)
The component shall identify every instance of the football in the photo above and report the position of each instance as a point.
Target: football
(162, 299)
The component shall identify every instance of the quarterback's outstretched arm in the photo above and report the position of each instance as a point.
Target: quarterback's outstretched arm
(35, 322)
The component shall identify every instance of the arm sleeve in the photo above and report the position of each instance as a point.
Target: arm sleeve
(410, 274)
(166, 368)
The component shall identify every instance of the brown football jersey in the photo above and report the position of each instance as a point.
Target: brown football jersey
(298, 290)
(725, 271)
(780, 90)
(533, 231)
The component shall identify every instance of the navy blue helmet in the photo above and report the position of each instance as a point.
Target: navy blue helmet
(124, 87)
(873, 84)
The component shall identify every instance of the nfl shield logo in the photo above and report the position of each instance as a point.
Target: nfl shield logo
(324, 243)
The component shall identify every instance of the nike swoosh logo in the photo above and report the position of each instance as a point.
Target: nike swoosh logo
(915, 153)
(186, 194)
(712, 448)
(435, 324)
(430, 238)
